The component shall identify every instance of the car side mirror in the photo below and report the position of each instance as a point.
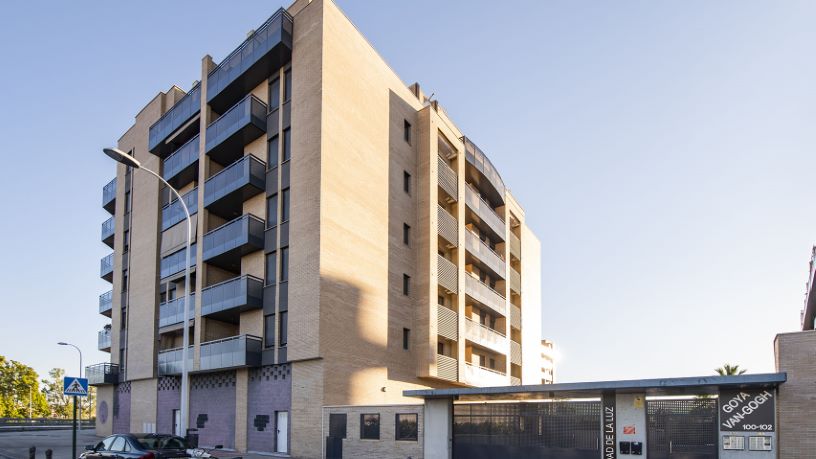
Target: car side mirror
(90, 447)
(219, 446)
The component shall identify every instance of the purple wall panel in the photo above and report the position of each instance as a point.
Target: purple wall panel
(212, 408)
(168, 399)
(121, 408)
(269, 390)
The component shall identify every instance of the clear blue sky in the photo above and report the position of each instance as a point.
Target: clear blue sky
(664, 152)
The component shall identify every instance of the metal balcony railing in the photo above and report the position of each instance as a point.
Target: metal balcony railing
(102, 373)
(485, 336)
(446, 226)
(447, 178)
(239, 294)
(447, 323)
(169, 361)
(109, 196)
(172, 312)
(476, 375)
(447, 367)
(174, 263)
(233, 352)
(182, 160)
(447, 274)
(481, 163)
(240, 125)
(234, 239)
(104, 340)
(108, 230)
(106, 303)
(106, 268)
(515, 352)
(485, 254)
(173, 212)
(485, 295)
(226, 191)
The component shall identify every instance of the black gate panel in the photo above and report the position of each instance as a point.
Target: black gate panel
(545, 430)
(682, 429)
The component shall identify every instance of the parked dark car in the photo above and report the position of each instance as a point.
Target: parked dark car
(137, 446)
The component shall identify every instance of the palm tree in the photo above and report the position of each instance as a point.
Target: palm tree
(730, 370)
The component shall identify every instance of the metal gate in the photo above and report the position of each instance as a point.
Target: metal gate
(544, 430)
(682, 429)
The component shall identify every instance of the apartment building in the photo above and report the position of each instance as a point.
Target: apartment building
(350, 243)
(547, 362)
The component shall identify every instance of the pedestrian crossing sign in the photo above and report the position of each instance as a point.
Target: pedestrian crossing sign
(75, 386)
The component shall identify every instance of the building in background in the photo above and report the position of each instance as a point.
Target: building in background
(547, 362)
(808, 314)
(351, 243)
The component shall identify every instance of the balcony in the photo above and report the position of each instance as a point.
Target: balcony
(169, 361)
(173, 213)
(515, 353)
(174, 263)
(482, 173)
(515, 281)
(106, 303)
(515, 317)
(172, 312)
(225, 245)
(226, 191)
(102, 373)
(447, 274)
(178, 116)
(181, 167)
(106, 268)
(447, 367)
(446, 226)
(514, 381)
(484, 213)
(485, 336)
(252, 62)
(240, 125)
(485, 256)
(484, 295)
(233, 352)
(225, 300)
(447, 323)
(515, 246)
(476, 375)
(447, 179)
(108, 230)
(109, 197)
(104, 340)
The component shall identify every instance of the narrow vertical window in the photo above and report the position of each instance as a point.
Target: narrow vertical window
(285, 205)
(284, 264)
(406, 284)
(272, 211)
(287, 144)
(274, 94)
(269, 331)
(337, 425)
(272, 153)
(284, 328)
(287, 85)
(406, 134)
(406, 182)
(406, 338)
(271, 267)
(406, 234)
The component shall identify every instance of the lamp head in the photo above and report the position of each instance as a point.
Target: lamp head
(122, 157)
(62, 344)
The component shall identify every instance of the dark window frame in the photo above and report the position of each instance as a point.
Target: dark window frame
(345, 423)
(269, 332)
(283, 328)
(406, 182)
(406, 234)
(363, 435)
(406, 132)
(406, 285)
(397, 431)
(406, 338)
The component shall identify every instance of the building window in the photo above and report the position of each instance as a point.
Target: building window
(274, 94)
(284, 264)
(271, 265)
(406, 338)
(284, 328)
(287, 85)
(284, 205)
(407, 427)
(269, 331)
(272, 211)
(440, 299)
(440, 348)
(287, 144)
(272, 153)
(369, 427)
(406, 234)
(406, 284)
(406, 182)
(406, 134)
(337, 425)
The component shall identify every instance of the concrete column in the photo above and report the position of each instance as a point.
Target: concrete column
(631, 419)
(438, 433)
(241, 391)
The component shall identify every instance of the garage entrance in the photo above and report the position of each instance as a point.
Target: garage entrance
(682, 428)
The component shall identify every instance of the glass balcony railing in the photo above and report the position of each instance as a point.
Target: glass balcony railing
(266, 50)
(484, 212)
(479, 376)
(226, 191)
(232, 296)
(102, 373)
(178, 115)
(487, 256)
(484, 295)
(240, 125)
(108, 230)
(169, 361)
(225, 245)
(106, 268)
(172, 312)
(109, 196)
(106, 303)
(104, 340)
(233, 352)
(482, 164)
(485, 336)
(173, 213)
(174, 263)
(179, 168)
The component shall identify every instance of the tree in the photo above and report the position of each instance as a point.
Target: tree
(730, 370)
(19, 391)
(59, 404)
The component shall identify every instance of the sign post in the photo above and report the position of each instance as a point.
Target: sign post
(76, 387)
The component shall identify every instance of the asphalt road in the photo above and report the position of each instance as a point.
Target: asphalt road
(14, 445)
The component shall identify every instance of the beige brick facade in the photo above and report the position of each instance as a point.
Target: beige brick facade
(796, 403)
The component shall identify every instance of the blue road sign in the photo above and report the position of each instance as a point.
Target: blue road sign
(75, 386)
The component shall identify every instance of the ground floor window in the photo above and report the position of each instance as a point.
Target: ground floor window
(337, 425)
(369, 426)
(406, 428)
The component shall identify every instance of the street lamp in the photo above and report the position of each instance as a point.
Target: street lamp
(80, 374)
(128, 160)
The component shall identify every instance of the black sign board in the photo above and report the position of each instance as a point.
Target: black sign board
(749, 410)
(609, 417)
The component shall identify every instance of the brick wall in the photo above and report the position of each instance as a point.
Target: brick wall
(387, 447)
(796, 404)
(212, 408)
(121, 408)
(269, 391)
(168, 399)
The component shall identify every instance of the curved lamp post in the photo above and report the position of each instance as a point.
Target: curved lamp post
(128, 160)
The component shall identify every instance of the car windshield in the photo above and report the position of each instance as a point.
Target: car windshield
(162, 443)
